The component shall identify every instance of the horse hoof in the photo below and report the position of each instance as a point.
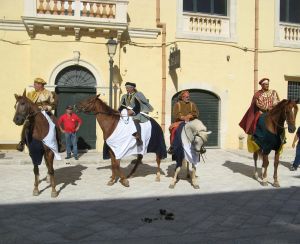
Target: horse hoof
(111, 182)
(125, 182)
(35, 193)
(54, 194)
(255, 177)
(264, 183)
(196, 186)
(276, 184)
(157, 179)
(172, 186)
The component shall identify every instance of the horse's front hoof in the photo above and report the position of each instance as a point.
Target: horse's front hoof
(157, 178)
(54, 194)
(172, 186)
(276, 184)
(111, 182)
(35, 192)
(196, 186)
(263, 183)
(125, 182)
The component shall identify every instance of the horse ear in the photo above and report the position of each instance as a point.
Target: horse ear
(16, 96)
(24, 93)
(98, 95)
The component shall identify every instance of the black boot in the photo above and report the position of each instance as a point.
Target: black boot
(137, 136)
(20, 146)
(170, 150)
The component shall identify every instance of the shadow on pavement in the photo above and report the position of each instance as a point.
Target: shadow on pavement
(264, 216)
(240, 168)
(66, 176)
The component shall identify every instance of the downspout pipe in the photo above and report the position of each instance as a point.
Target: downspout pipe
(164, 64)
(255, 85)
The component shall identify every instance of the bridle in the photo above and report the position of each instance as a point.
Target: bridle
(28, 114)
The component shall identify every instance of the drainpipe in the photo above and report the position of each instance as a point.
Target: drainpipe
(164, 64)
(256, 46)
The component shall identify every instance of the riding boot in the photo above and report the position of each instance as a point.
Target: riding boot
(137, 134)
(21, 144)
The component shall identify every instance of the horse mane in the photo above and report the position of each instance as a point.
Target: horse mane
(107, 109)
(278, 108)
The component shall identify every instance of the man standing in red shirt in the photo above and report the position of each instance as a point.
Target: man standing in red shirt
(69, 124)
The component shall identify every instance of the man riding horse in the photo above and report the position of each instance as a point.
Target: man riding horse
(183, 110)
(46, 101)
(137, 106)
(262, 101)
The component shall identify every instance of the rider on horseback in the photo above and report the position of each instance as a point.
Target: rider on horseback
(137, 106)
(183, 110)
(262, 101)
(46, 101)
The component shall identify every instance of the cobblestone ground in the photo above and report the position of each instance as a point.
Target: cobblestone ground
(229, 207)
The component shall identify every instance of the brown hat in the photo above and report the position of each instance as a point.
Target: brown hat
(130, 84)
(69, 107)
(263, 80)
(40, 80)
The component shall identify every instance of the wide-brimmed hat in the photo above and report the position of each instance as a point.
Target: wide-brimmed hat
(69, 107)
(40, 80)
(263, 80)
(130, 84)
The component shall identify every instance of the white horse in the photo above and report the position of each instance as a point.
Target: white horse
(193, 135)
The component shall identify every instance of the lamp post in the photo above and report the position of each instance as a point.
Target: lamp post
(111, 50)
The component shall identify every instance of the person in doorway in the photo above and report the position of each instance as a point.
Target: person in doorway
(46, 100)
(69, 123)
(137, 106)
(296, 163)
(184, 111)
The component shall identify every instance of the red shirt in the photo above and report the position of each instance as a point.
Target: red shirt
(69, 122)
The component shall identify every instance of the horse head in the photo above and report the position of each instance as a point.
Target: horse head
(197, 134)
(291, 110)
(87, 105)
(23, 109)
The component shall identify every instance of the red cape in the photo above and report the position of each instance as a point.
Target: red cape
(248, 122)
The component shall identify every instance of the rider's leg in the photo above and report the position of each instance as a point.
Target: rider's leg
(138, 133)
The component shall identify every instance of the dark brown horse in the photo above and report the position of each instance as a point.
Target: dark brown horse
(28, 112)
(108, 119)
(269, 135)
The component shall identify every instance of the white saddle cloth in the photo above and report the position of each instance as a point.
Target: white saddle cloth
(123, 143)
(50, 140)
(191, 155)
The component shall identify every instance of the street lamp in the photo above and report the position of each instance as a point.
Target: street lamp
(111, 50)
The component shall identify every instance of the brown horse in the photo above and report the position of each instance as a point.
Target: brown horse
(27, 111)
(269, 135)
(108, 119)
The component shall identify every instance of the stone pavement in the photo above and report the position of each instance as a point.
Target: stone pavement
(229, 207)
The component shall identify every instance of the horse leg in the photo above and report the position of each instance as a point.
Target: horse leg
(174, 180)
(194, 179)
(113, 171)
(137, 162)
(158, 168)
(49, 157)
(275, 176)
(265, 168)
(36, 191)
(188, 175)
(255, 157)
(123, 179)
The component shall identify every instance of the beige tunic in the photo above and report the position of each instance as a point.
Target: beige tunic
(182, 108)
(43, 99)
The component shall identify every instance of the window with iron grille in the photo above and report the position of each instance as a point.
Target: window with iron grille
(290, 11)
(294, 90)
(218, 7)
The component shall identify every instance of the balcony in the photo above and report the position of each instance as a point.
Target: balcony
(289, 33)
(77, 17)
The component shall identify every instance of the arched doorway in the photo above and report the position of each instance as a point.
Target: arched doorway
(208, 105)
(74, 84)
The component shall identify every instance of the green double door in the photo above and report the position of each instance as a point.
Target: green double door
(70, 96)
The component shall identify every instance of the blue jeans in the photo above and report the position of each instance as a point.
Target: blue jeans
(71, 140)
(297, 157)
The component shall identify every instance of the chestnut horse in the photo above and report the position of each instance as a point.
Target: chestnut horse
(269, 135)
(27, 111)
(108, 119)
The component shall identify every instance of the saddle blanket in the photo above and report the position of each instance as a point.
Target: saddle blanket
(123, 143)
(50, 140)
